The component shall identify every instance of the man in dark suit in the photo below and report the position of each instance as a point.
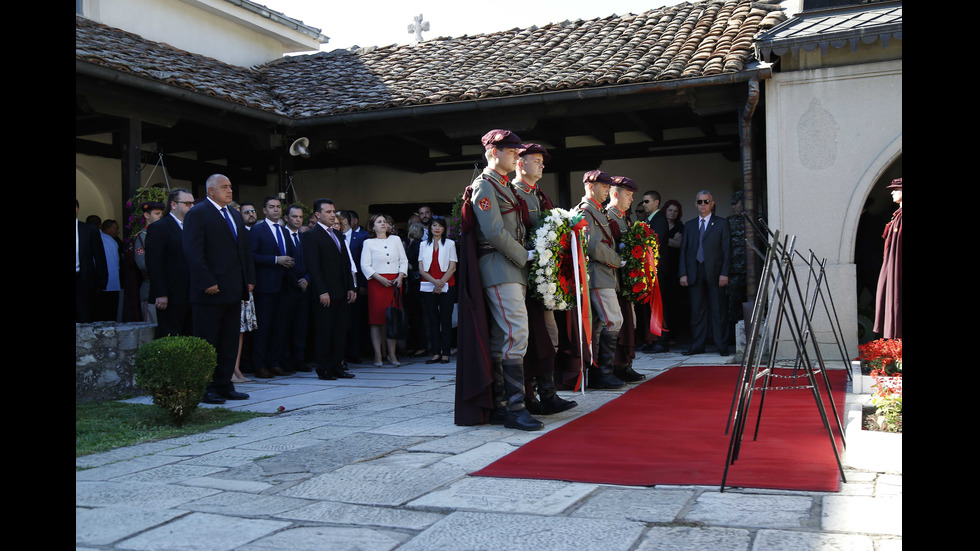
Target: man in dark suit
(649, 212)
(167, 266)
(297, 300)
(332, 284)
(358, 310)
(91, 273)
(704, 264)
(221, 276)
(267, 241)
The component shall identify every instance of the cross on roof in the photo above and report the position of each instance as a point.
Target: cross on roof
(418, 27)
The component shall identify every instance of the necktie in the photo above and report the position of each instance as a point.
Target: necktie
(282, 244)
(231, 225)
(334, 237)
(700, 242)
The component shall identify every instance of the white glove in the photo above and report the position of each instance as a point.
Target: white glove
(621, 264)
(530, 256)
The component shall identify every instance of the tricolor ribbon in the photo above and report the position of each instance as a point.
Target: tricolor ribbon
(656, 303)
(580, 224)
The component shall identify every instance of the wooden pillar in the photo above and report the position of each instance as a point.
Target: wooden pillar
(130, 138)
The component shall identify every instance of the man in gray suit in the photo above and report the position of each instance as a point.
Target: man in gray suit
(704, 262)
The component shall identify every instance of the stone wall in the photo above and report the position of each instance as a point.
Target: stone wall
(104, 359)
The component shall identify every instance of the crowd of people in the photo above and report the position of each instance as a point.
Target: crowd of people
(286, 293)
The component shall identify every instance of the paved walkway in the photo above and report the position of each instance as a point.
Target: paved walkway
(376, 463)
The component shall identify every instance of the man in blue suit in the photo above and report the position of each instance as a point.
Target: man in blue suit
(267, 242)
(296, 311)
(221, 276)
(704, 263)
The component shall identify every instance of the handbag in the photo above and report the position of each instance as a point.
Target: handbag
(249, 322)
(396, 318)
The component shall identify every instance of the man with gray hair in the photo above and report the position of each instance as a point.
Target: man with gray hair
(704, 265)
(221, 277)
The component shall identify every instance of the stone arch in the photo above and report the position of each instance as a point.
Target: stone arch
(91, 198)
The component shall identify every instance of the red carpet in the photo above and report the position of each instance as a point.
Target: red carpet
(671, 430)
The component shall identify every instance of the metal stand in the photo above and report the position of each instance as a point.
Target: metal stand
(775, 306)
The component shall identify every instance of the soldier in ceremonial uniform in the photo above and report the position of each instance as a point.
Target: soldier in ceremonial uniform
(620, 199)
(539, 363)
(604, 262)
(502, 258)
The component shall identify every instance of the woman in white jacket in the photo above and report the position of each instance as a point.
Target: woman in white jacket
(384, 265)
(437, 264)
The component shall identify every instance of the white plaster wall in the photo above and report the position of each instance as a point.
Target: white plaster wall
(245, 39)
(830, 134)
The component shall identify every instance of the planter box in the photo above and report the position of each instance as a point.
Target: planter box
(870, 450)
(860, 384)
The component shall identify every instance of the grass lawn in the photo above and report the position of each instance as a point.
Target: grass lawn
(103, 426)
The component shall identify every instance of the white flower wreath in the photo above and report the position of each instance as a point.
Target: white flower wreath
(552, 270)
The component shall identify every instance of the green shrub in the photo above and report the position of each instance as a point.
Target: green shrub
(176, 371)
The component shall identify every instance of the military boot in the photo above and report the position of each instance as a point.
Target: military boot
(627, 374)
(550, 401)
(606, 380)
(499, 414)
(517, 416)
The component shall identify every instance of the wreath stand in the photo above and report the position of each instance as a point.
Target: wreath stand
(776, 306)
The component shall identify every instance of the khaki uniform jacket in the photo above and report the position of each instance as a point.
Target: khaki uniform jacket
(527, 193)
(603, 258)
(500, 234)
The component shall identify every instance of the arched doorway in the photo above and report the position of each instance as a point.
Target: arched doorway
(868, 243)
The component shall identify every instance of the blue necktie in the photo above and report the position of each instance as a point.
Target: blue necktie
(231, 224)
(282, 244)
(700, 242)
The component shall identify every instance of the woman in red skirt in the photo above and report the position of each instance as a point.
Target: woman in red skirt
(384, 265)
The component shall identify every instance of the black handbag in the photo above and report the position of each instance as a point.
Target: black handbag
(396, 318)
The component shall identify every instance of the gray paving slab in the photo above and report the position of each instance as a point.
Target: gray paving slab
(138, 495)
(640, 504)
(466, 531)
(203, 532)
(506, 495)
(751, 510)
(168, 474)
(695, 538)
(105, 525)
(370, 484)
(363, 515)
(781, 540)
(862, 514)
(119, 468)
(332, 538)
(244, 504)
(479, 457)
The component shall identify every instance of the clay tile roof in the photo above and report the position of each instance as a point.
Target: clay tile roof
(687, 40)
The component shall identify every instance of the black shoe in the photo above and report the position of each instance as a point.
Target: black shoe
(724, 351)
(553, 404)
(325, 375)
(692, 351)
(212, 398)
(627, 374)
(233, 395)
(433, 361)
(660, 348)
(522, 420)
(343, 374)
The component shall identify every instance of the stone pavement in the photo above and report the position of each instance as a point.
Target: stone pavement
(375, 463)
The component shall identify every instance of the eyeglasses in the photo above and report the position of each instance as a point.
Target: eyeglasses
(185, 203)
(704, 201)
(248, 212)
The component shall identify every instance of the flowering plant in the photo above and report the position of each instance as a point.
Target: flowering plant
(641, 253)
(552, 276)
(887, 400)
(883, 354)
